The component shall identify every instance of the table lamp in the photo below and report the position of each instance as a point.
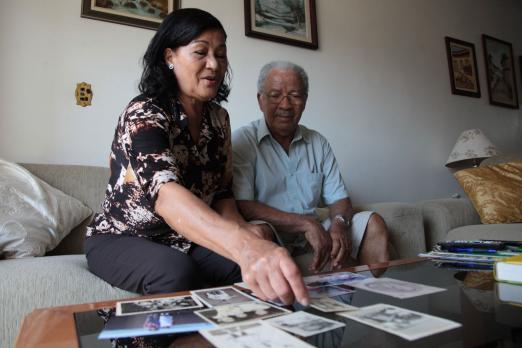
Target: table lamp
(471, 148)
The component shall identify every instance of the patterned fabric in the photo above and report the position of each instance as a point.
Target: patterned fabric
(495, 191)
(151, 148)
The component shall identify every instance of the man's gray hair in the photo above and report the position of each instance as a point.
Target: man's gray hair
(283, 65)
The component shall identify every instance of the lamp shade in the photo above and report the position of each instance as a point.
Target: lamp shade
(472, 144)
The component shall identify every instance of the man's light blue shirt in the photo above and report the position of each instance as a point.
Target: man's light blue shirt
(297, 182)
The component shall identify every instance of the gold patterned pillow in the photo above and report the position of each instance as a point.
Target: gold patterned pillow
(495, 191)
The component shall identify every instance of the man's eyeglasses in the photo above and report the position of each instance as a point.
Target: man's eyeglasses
(294, 98)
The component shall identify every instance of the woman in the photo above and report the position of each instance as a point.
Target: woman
(169, 221)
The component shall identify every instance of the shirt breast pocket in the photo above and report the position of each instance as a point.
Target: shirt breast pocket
(310, 187)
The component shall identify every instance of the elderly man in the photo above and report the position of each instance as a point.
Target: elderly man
(284, 171)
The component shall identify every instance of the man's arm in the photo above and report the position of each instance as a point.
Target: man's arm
(339, 231)
(292, 223)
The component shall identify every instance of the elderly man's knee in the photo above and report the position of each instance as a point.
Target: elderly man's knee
(377, 226)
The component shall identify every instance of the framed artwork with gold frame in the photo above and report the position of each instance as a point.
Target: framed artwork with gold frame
(143, 13)
(288, 22)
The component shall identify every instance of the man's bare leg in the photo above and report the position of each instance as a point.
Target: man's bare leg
(374, 246)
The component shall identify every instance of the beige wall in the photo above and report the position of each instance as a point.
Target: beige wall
(379, 84)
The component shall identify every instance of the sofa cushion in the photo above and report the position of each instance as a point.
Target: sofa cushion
(497, 231)
(34, 216)
(49, 281)
(495, 191)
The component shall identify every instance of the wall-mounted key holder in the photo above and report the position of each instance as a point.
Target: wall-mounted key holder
(83, 94)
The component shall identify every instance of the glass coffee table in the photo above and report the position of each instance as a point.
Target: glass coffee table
(471, 298)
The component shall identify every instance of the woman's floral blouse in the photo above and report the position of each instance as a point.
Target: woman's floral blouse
(151, 148)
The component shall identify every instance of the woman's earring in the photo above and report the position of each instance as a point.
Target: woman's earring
(171, 66)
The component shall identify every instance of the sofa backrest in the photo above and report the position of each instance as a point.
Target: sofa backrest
(85, 183)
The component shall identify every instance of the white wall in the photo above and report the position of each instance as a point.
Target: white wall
(379, 84)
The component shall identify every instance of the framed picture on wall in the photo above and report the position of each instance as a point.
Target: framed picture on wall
(462, 65)
(289, 22)
(520, 71)
(138, 13)
(500, 68)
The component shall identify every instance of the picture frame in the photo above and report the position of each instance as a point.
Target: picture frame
(500, 72)
(462, 65)
(292, 23)
(143, 14)
(520, 67)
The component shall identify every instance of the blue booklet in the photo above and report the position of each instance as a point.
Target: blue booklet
(149, 324)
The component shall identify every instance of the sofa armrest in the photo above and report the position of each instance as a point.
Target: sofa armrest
(442, 215)
(404, 223)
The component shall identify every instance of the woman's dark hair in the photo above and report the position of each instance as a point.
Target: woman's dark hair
(179, 28)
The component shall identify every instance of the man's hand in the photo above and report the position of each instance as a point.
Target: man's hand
(321, 242)
(341, 244)
(271, 273)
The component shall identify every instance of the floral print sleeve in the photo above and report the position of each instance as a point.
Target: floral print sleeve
(151, 148)
(145, 140)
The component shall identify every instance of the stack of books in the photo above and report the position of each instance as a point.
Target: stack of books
(473, 254)
(508, 273)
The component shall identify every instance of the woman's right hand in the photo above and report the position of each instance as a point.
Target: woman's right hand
(271, 273)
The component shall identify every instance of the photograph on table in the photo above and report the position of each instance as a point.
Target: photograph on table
(292, 22)
(410, 325)
(240, 313)
(252, 335)
(304, 324)
(221, 296)
(327, 304)
(157, 305)
(462, 64)
(395, 288)
(153, 324)
(500, 69)
(337, 278)
(328, 291)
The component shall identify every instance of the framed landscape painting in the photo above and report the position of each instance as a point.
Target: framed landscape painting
(138, 13)
(292, 22)
(500, 68)
(462, 64)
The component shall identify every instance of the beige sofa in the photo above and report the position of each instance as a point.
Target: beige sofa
(62, 277)
(455, 219)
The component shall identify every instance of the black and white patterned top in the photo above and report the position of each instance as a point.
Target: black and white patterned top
(152, 147)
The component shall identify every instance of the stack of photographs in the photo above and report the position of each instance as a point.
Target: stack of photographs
(237, 318)
(157, 316)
